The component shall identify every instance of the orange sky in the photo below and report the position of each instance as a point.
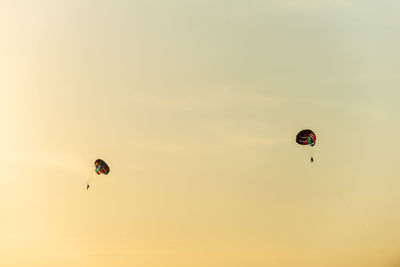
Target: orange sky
(195, 105)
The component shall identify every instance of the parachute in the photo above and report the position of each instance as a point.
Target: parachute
(101, 167)
(306, 137)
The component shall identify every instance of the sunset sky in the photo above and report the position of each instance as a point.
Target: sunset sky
(195, 105)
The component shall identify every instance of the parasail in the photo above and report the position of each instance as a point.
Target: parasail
(306, 137)
(101, 167)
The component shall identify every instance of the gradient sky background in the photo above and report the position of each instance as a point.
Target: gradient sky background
(195, 106)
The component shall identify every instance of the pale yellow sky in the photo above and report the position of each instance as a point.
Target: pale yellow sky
(195, 105)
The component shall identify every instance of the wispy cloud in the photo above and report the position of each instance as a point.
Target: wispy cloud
(67, 162)
(205, 100)
(248, 141)
(317, 4)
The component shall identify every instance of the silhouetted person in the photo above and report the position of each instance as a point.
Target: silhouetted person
(312, 159)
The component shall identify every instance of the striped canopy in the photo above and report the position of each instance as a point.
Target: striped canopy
(306, 137)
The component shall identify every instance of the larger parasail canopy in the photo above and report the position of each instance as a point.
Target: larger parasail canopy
(101, 167)
(306, 137)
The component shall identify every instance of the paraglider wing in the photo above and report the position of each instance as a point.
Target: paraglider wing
(306, 137)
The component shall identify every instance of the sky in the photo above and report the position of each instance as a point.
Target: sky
(195, 106)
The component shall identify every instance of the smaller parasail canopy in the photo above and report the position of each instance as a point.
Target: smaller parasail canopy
(306, 137)
(101, 167)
